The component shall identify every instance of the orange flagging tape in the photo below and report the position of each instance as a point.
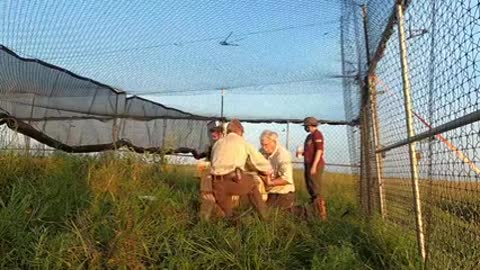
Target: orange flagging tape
(450, 145)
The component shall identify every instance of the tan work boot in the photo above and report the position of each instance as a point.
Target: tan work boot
(320, 205)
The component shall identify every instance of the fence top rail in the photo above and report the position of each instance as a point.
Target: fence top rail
(454, 124)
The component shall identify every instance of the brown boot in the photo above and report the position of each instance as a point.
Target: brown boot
(320, 207)
(323, 210)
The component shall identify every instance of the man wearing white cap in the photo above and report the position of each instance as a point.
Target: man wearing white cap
(281, 189)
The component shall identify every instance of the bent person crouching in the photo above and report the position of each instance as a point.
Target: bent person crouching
(281, 189)
(229, 158)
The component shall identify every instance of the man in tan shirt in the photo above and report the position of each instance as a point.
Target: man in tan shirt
(281, 191)
(230, 155)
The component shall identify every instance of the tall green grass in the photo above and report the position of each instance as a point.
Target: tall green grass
(71, 212)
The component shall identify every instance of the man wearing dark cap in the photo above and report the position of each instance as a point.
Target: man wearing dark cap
(230, 156)
(314, 163)
(215, 134)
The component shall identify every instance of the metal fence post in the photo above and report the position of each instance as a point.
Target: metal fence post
(431, 87)
(410, 129)
(114, 124)
(365, 176)
(376, 145)
(372, 99)
(363, 164)
(366, 158)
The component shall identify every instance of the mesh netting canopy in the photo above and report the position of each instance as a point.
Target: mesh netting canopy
(77, 114)
(76, 74)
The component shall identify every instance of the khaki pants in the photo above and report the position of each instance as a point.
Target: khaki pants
(224, 187)
(208, 206)
(260, 185)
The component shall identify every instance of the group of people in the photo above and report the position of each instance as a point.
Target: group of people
(238, 169)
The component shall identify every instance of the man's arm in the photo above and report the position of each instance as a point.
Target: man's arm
(278, 182)
(259, 162)
(318, 142)
(196, 155)
(318, 155)
(186, 150)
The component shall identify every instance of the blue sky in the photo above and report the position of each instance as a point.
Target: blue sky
(286, 48)
(285, 64)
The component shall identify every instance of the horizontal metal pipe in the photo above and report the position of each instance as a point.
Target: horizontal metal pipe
(454, 124)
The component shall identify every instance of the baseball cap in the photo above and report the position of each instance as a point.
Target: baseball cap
(216, 129)
(310, 121)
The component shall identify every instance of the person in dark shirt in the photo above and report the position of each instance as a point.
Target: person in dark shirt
(216, 133)
(314, 164)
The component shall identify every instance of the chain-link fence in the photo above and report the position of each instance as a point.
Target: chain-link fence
(419, 121)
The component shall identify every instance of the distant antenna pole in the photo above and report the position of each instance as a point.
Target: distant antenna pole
(221, 105)
(287, 144)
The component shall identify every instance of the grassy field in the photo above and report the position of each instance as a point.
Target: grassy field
(451, 214)
(71, 212)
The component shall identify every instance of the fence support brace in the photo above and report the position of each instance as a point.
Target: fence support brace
(376, 143)
(372, 100)
(410, 129)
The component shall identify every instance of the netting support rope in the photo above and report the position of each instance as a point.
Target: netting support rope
(372, 100)
(410, 129)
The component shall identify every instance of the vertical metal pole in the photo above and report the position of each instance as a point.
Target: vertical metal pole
(287, 143)
(376, 140)
(366, 176)
(364, 151)
(114, 125)
(221, 105)
(410, 129)
(25, 137)
(372, 98)
(27, 142)
(431, 86)
(164, 134)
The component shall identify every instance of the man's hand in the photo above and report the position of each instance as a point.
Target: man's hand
(266, 173)
(313, 170)
(208, 196)
(195, 154)
(266, 179)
